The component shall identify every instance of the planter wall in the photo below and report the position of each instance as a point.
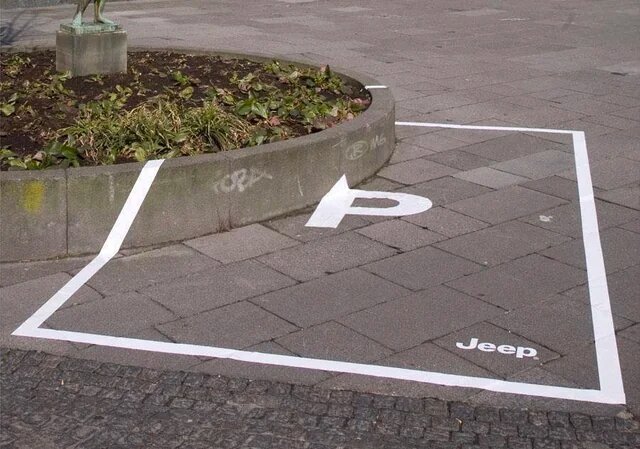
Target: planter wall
(57, 213)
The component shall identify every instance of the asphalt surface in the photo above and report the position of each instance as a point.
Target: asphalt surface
(500, 256)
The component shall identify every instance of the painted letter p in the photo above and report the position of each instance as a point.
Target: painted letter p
(338, 203)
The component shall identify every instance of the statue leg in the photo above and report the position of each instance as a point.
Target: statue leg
(99, 7)
(77, 18)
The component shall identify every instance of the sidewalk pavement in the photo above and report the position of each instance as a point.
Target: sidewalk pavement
(499, 257)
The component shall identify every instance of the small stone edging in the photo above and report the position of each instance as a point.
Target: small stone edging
(67, 212)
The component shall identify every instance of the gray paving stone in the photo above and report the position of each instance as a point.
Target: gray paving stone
(446, 222)
(566, 219)
(446, 190)
(241, 243)
(274, 373)
(140, 270)
(503, 365)
(621, 249)
(295, 228)
(625, 196)
(490, 177)
(329, 297)
(431, 357)
(632, 226)
(415, 171)
(580, 366)
(555, 186)
(520, 282)
(332, 341)
(612, 173)
(559, 323)
(501, 243)
(413, 320)
(503, 205)
(422, 268)
(538, 165)
(407, 152)
(400, 234)
(434, 142)
(459, 159)
(328, 255)
(631, 333)
(624, 291)
(119, 315)
(235, 326)
(630, 365)
(15, 273)
(216, 287)
(512, 146)
(20, 301)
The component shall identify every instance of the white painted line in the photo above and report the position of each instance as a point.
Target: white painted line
(109, 249)
(611, 388)
(485, 128)
(376, 87)
(388, 372)
(608, 360)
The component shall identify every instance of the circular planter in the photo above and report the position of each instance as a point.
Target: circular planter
(65, 212)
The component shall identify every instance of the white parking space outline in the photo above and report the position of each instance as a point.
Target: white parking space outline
(611, 388)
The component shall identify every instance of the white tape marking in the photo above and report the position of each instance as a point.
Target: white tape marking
(611, 387)
(609, 371)
(109, 249)
(338, 203)
(485, 128)
(376, 87)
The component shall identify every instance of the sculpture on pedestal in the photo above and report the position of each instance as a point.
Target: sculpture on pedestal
(98, 8)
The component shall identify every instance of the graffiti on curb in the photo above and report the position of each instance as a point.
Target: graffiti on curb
(358, 149)
(240, 180)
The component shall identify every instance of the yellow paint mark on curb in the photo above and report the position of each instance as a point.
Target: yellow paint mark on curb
(33, 195)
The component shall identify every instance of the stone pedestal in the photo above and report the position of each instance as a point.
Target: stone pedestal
(91, 49)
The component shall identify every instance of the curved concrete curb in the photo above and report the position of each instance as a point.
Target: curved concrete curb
(57, 213)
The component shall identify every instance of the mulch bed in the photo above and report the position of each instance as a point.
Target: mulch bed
(57, 100)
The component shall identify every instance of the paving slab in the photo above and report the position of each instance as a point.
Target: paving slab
(400, 234)
(500, 364)
(506, 204)
(328, 255)
(511, 146)
(625, 196)
(333, 341)
(501, 243)
(459, 159)
(241, 243)
(415, 171)
(415, 319)
(422, 268)
(491, 177)
(446, 190)
(624, 291)
(521, 282)
(621, 249)
(330, 297)
(612, 173)
(446, 222)
(20, 301)
(235, 326)
(111, 315)
(538, 165)
(140, 270)
(215, 287)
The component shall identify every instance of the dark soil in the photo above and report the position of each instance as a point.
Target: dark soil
(149, 74)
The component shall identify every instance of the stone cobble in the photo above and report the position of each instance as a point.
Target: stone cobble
(56, 402)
